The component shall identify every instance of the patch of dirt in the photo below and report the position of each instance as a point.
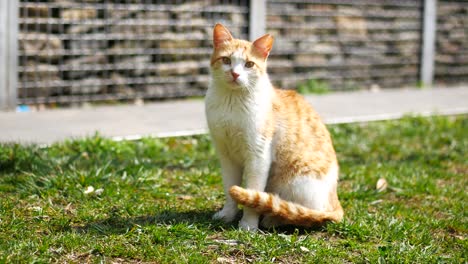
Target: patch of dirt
(94, 257)
(460, 169)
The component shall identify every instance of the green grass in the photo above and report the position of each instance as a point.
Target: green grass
(159, 194)
(313, 86)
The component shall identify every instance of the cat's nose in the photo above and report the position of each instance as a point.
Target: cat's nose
(234, 75)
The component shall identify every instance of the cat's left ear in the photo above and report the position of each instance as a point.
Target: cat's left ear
(263, 45)
(221, 35)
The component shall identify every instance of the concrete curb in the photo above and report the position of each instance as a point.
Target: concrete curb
(186, 117)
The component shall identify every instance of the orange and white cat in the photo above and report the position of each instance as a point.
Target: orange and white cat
(271, 139)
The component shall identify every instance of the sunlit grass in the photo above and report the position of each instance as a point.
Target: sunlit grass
(152, 200)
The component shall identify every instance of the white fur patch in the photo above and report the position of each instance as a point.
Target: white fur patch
(235, 121)
(310, 192)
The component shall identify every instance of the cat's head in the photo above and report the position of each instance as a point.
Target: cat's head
(238, 63)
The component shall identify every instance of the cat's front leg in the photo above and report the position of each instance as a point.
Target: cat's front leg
(256, 176)
(232, 175)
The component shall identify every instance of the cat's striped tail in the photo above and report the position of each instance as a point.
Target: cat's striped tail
(289, 212)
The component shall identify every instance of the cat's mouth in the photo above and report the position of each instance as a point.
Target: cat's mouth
(236, 84)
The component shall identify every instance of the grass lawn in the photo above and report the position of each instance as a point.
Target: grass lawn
(153, 200)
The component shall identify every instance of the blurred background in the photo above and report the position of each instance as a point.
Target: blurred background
(72, 52)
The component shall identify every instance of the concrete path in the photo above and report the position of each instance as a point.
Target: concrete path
(186, 117)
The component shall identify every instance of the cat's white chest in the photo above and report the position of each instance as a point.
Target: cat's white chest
(234, 124)
(231, 128)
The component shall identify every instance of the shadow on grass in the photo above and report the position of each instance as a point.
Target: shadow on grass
(201, 219)
(121, 225)
(290, 229)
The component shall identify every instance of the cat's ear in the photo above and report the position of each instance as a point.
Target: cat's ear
(263, 45)
(221, 35)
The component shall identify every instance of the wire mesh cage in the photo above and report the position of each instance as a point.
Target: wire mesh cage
(347, 44)
(91, 50)
(451, 59)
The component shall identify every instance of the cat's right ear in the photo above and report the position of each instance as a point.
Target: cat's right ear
(221, 35)
(263, 45)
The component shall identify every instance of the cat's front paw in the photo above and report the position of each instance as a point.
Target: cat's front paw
(226, 215)
(244, 225)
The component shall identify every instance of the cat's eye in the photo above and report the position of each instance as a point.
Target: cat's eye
(226, 60)
(249, 64)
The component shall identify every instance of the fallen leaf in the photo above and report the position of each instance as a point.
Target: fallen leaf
(376, 202)
(184, 197)
(381, 185)
(99, 191)
(229, 242)
(304, 249)
(89, 190)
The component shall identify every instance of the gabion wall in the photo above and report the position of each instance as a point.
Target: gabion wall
(451, 59)
(88, 50)
(93, 50)
(348, 44)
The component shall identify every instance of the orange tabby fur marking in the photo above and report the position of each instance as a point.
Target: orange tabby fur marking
(272, 139)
